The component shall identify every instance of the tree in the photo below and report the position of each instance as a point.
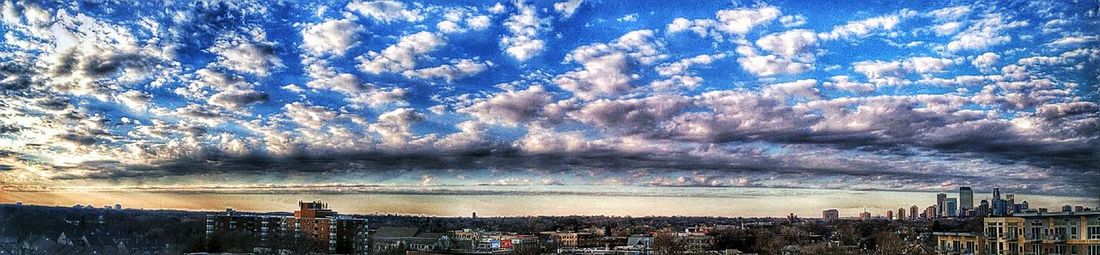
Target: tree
(667, 243)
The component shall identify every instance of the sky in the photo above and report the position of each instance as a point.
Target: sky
(505, 97)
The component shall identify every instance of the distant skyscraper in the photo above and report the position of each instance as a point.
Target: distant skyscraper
(890, 214)
(966, 199)
(901, 213)
(940, 198)
(983, 209)
(952, 208)
(913, 214)
(831, 214)
(998, 206)
(865, 215)
(930, 212)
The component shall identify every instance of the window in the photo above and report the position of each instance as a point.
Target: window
(1094, 232)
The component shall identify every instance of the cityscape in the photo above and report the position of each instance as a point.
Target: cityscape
(997, 225)
(601, 127)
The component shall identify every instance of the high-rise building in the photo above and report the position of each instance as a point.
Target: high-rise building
(831, 214)
(890, 214)
(901, 213)
(313, 222)
(865, 215)
(930, 212)
(913, 214)
(966, 199)
(952, 208)
(983, 209)
(998, 205)
(940, 198)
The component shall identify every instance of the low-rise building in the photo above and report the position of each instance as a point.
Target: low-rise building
(959, 243)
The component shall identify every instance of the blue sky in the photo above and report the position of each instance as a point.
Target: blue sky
(924, 96)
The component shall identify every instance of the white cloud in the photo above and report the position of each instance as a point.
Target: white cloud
(607, 67)
(700, 27)
(455, 70)
(865, 27)
(741, 21)
(628, 18)
(792, 20)
(984, 33)
(401, 56)
(948, 28)
(308, 115)
(460, 21)
(332, 36)
(497, 8)
(135, 100)
(395, 127)
(985, 61)
(682, 66)
(568, 7)
(950, 13)
(843, 82)
(918, 65)
(524, 27)
(385, 11)
(1073, 40)
(546, 140)
(768, 65)
(250, 53)
(793, 44)
(510, 107)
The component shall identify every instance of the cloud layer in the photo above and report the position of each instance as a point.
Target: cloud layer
(567, 93)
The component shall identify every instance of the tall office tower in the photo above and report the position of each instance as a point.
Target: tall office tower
(966, 199)
(890, 214)
(983, 209)
(901, 213)
(952, 208)
(913, 214)
(939, 204)
(997, 205)
(930, 212)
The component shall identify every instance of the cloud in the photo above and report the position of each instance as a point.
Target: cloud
(568, 7)
(985, 61)
(402, 55)
(734, 22)
(247, 53)
(793, 44)
(524, 27)
(455, 70)
(741, 21)
(984, 33)
(385, 11)
(237, 99)
(607, 67)
(511, 107)
(1073, 40)
(860, 28)
(768, 65)
(331, 36)
(894, 72)
(457, 21)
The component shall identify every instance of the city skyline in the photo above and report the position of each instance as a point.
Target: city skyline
(755, 108)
